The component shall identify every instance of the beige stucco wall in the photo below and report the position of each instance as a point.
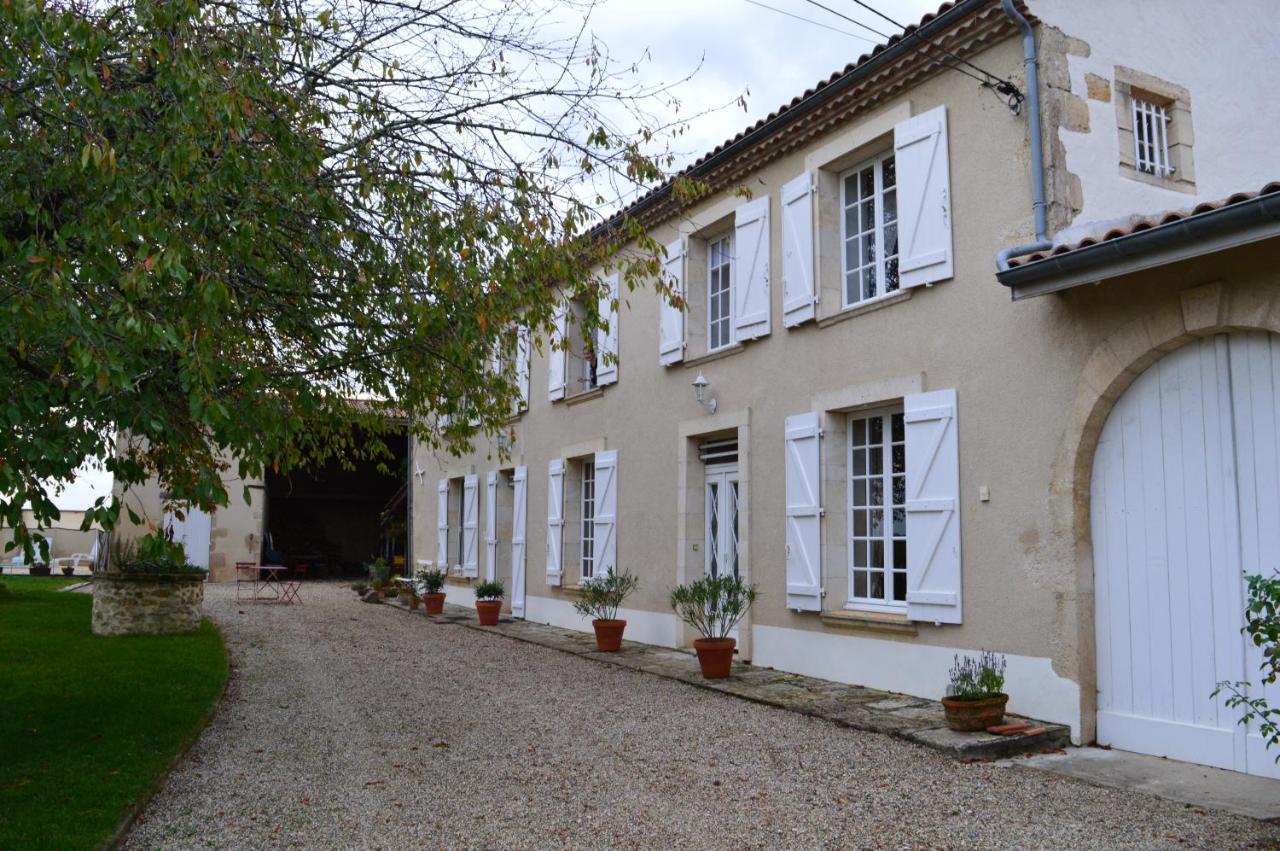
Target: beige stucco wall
(1034, 379)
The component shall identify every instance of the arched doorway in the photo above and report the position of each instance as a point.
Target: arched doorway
(1185, 500)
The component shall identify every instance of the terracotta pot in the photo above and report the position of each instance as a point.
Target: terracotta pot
(413, 604)
(609, 635)
(715, 656)
(970, 716)
(433, 603)
(488, 611)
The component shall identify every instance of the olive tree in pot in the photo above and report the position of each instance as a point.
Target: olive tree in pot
(975, 696)
(713, 605)
(432, 583)
(489, 601)
(599, 600)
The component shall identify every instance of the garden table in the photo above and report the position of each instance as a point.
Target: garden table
(269, 583)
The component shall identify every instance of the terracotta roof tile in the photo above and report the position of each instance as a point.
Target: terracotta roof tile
(1154, 220)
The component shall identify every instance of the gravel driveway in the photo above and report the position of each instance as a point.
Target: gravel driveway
(355, 726)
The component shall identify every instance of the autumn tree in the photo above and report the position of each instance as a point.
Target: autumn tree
(222, 221)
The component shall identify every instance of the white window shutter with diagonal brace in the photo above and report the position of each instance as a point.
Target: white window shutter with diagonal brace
(798, 293)
(555, 355)
(606, 513)
(804, 512)
(671, 323)
(471, 526)
(933, 507)
(607, 337)
(519, 535)
(555, 519)
(924, 199)
(750, 284)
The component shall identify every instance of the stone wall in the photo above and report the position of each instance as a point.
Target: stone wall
(129, 604)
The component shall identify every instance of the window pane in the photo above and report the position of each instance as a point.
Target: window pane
(859, 461)
(869, 282)
(877, 430)
(897, 428)
(899, 458)
(860, 523)
(899, 524)
(877, 460)
(859, 553)
(890, 172)
(859, 583)
(899, 587)
(877, 586)
(867, 182)
(850, 188)
(859, 432)
(851, 248)
(860, 493)
(900, 555)
(851, 221)
(877, 491)
(890, 207)
(853, 287)
(877, 553)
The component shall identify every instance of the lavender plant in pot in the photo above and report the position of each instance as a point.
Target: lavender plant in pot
(599, 600)
(713, 605)
(975, 695)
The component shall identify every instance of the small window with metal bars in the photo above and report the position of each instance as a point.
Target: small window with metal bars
(719, 451)
(1151, 137)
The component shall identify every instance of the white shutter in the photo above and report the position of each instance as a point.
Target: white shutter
(522, 365)
(798, 294)
(555, 356)
(491, 526)
(442, 526)
(470, 526)
(519, 525)
(555, 519)
(751, 270)
(607, 338)
(804, 513)
(933, 507)
(671, 325)
(924, 199)
(606, 517)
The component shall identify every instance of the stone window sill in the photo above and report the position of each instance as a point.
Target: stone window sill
(863, 308)
(716, 355)
(870, 622)
(584, 396)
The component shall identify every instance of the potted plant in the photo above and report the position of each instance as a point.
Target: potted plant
(489, 601)
(599, 600)
(975, 696)
(68, 570)
(40, 568)
(713, 605)
(410, 595)
(432, 582)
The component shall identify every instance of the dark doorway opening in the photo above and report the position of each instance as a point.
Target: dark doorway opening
(332, 520)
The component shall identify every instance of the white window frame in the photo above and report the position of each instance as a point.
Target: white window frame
(876, 164)
(887, 539)
(726, 267)
(587, 554)
(461, 489)
(1150, 136)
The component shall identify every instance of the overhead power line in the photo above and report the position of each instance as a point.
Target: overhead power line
(810, 21)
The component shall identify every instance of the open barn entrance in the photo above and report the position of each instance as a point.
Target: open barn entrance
(331, 521)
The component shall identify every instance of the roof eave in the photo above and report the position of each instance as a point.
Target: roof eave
(961, 9)
(1195, 236)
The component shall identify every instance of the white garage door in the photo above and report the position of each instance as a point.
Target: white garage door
(1185, 502)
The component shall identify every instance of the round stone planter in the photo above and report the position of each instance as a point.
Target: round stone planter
(147, 604)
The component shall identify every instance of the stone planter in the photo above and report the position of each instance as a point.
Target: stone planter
(147, 604)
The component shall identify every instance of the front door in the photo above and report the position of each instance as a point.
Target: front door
(721, 511)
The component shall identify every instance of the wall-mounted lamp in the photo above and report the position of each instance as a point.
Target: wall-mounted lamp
(504, 442)
(700, 393)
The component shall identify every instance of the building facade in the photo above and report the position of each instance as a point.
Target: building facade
(906, 462)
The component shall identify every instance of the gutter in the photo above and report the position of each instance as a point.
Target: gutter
(1038, 203)
(1194, 236)
(906, 44)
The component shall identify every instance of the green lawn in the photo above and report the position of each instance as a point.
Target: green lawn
(88, 724)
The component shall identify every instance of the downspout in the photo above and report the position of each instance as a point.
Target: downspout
(1038, 204)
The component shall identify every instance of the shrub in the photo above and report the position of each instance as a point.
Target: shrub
(713, 605)
(379, 569)
(432, 580)
(976, 678)
(493, 590)
(156, 553)
(1262, 625)
(601, 596)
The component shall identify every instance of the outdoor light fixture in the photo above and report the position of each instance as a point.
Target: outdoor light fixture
(504, 442)
(700, 393)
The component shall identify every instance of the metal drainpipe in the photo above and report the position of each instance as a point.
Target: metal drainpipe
(1038, 203)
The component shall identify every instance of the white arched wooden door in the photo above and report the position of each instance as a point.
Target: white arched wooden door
(1185, 500)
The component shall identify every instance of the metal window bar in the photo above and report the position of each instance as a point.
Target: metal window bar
(1151, 138)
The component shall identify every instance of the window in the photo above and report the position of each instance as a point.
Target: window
(877, 512)
(587, 560)
(719, 293)
(1151, 137)
(461, 501)
(583, 352)
(869, 202)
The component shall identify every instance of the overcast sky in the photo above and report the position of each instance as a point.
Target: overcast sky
(742, 47)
